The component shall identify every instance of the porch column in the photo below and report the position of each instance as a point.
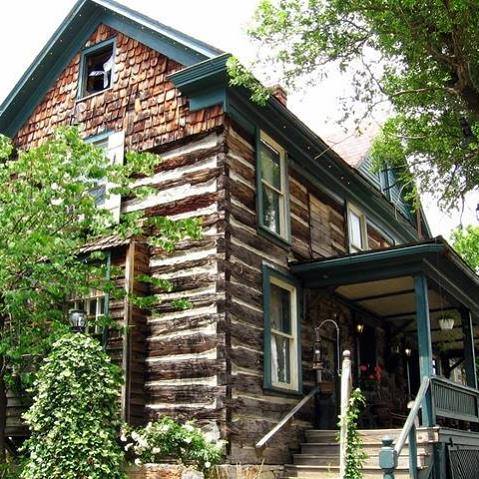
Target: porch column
(424, 344)
(469, 350)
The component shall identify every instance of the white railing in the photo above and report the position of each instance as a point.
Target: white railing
(346, 389)
(288, 417)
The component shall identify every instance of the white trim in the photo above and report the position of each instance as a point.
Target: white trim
(283, 192)
(293, 385)
(353, 248)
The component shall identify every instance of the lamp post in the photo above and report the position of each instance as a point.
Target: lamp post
(77, 318)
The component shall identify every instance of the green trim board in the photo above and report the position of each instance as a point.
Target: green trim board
(269, 273)
(69, 39)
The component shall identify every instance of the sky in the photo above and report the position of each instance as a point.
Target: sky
(26, 25)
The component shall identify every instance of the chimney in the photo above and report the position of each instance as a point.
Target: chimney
(280, 94)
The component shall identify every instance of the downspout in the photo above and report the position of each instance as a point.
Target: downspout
(126, 346)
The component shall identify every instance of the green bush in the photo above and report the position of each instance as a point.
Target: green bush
(75, 416)
(167, 439)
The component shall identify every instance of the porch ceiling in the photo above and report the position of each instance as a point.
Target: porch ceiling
(381, 283)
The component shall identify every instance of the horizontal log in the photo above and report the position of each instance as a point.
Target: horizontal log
(182, 369)
(196, 343)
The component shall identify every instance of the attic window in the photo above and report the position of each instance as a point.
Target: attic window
(97, 69)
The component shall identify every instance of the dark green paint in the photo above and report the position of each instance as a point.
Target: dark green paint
(424, 345)
(469, 349)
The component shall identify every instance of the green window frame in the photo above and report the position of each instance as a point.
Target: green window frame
(272, 189)
(282, 332)
(108, 73)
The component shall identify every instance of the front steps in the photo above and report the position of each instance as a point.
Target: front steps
(319, 457)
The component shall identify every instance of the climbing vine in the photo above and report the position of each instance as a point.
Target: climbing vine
(355, 455)
(75, 416)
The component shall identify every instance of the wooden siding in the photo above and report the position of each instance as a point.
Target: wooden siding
(141, 101)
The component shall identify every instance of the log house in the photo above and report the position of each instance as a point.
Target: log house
(293, 235)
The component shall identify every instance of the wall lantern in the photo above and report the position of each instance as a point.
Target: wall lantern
(359, 328)
(77, 318)
(408, 352)
(446, 323)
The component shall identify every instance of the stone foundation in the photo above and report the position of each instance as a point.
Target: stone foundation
(168, 471)
(248, 472)
(162, 471)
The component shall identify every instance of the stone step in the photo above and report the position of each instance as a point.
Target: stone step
(332, 448)
(372, 436)
(372, 461)
(326, 472)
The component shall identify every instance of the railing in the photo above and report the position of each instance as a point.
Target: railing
(449, 400)
(346, 388)
(267, 438)
(454, 401)
(388, 457)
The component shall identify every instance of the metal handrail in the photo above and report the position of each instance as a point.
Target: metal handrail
(388, 457)
(264, 440)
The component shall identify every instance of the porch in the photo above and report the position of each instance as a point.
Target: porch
(426, 299)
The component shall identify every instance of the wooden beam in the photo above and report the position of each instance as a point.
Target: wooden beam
(383, 295)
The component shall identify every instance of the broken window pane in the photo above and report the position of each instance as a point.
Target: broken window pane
(97, 74)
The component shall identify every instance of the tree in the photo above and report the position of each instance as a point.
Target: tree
(466, 243)
(47, 216)
(420, 56)
(75, 417)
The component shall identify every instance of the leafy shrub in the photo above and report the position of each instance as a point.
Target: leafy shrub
(166, 439)
(75, 416)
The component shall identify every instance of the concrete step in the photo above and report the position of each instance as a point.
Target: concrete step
(327, 472)
(372, 461)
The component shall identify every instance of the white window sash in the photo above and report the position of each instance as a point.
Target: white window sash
(281, 152)
(353, 247)
(292, 340)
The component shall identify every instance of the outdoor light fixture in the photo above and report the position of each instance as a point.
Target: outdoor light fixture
(477, 212)
(446, 323)
(408, 352)
(77, 318)
(360, 328)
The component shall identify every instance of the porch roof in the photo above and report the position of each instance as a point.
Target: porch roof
(381, 281)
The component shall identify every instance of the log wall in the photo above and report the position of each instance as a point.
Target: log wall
(174, 358)
(318, 229)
